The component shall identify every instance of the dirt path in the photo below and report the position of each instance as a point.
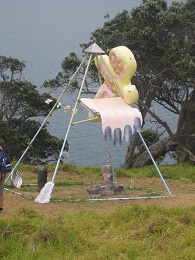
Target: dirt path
(183, 195)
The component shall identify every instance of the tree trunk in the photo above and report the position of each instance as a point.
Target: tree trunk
(158, 149)
(186, 130)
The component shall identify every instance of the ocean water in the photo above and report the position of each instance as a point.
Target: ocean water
(42, 33)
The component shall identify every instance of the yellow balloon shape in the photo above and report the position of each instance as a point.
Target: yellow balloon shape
(117, 70)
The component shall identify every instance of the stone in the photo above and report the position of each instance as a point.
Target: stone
(107, 173)
(42, 178)
(105, 189)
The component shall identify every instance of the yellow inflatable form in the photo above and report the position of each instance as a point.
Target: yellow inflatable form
(117, 70)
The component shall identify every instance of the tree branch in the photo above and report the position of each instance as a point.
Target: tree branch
(163, 123)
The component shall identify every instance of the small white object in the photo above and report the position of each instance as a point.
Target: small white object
(48, 101)
(59, 105)
(45, 193)
(64, 156)
(74, 111)
(66, 108)
(131, 184)
(16, 179)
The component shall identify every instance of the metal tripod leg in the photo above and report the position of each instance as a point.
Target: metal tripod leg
(137, 125)
(45, 193)
(45, 120)
(108, 138)
(71, 119)
(111, 162)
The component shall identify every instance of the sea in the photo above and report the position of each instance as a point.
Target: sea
(42, 33)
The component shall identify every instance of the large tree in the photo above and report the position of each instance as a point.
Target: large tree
(162, 39)
(20, 108)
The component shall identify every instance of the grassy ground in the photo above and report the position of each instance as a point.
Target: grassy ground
(128, 229)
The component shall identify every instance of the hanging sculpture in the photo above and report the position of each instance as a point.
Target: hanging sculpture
(113, 100)
(111, 105)
(117, 70)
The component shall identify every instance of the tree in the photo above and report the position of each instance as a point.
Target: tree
(20, 104)
(162, 40)
(69, 66)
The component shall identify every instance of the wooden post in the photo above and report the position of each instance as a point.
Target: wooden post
(42, 178)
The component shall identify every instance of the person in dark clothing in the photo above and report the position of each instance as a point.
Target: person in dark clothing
(4, 168)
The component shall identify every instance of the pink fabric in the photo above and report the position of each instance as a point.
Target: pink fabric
(115, 112)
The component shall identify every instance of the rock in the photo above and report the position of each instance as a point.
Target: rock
(42, 178)
(104, 189)
(94, 191)
(107, 173)
(107, 187)
(119, 189)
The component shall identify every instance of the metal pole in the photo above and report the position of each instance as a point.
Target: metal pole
(154, 163)
(71, 119)
(110, 154)
(11, 173)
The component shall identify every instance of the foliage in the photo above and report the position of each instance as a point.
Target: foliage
(150, 137)
(69, 66)
(20, 104)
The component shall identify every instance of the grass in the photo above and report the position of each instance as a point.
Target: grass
(136, 232)
(130, 233)
(174, 172)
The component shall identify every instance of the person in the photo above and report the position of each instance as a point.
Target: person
(4, 168)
